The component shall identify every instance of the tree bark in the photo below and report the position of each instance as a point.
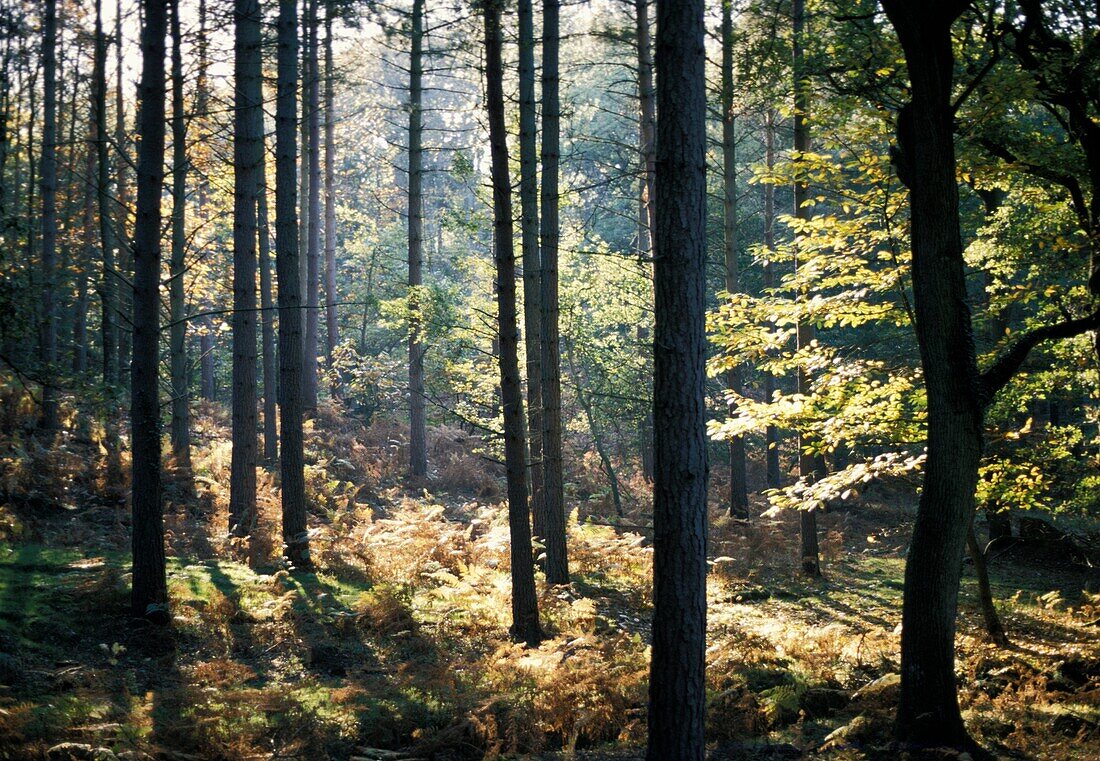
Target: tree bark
(525, 616)
(149, 596)
(332, 326)
(50, 419)
(647, 125)
(292, 463)
(267, 316)
(677, 687)
(418, 437)
(122, 196)
(928, 712)
(771, 434)
(557, 558)
(313, 239)
(993, 626)
(177, 339)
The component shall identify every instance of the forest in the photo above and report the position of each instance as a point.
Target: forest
(409, 380)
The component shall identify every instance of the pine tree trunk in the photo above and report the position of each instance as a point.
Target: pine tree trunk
(739, 490)
(50, 420)
(676, 686)
(149, 597)
(267, 317)
(418, 438)
(247, 159)
(771, 433)
(811, 467)
(928, 713)
(647, 125)
(292, 462)
(557, 559)
(88, 233)
(177, 338)
(529, 233)
(332, 326)
(525, 617)
(313, 239)
(122, 194)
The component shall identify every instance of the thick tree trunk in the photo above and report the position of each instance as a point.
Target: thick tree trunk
(676, 686)
(928, 713)
(50, 420)
(149, 597)
(529, 233)
(739, 490)
(557, 558)
(177, 337)
(418, 437)
(267, 317)
(811, 466)
(313, 238)
(771, 433)
(295, 532)
(525, 616)
(332, 326)
(247, 160)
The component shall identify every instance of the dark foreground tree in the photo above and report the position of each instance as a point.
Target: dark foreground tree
(525, 614)
(676, 688)
(149, 596)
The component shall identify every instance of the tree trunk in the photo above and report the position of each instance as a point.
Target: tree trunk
(207, 370)
(177, 338)
(247, 160)
(332, 326)
(647, 125)
(292, 462)
(529, 232)
(739, 490)
(771, 433)
(928, 713)
(418, 438)
(676, 686)
(80, 319)
(557, 558)
(525, 616)
(267, 316)
(149, 597)
(313, 240)
(993, 625)
(597, 440)
(122, 196)
(50, 420)
(811, 466)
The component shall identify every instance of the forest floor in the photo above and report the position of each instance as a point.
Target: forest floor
(396, 646)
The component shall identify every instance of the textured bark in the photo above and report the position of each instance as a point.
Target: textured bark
(928, 712)
(647, 125)
(739, 490)
(529, 233)
(525, 616)
(108, 286)
(149, 596)
(771, 433)
(177, 338)
(247, 160)
(122, 194)
(557, 559)
(49, 420)
(292, 463)
(267, 318)
(811, 466)
(418, 438)
(676, 687)
(332, 326)
(313, 237)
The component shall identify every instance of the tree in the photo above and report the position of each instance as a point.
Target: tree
(332, 326)
(553, 503)
(295, 533)
(177, 337)
(50, 420)
(312, 116)
(676, 689)
(149, 597)
(525, 617)
(267, 316)
(418, 437)
(247, 160)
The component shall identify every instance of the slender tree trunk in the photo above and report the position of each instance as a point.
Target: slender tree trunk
(418, 439)
(771, 433)
(553, 523)
(150, 590)
(525, 617)
(332, 325)
(928, 712)
(247, 160)
(122, 194)
(292, 462)
(739, 490)
(676, 685)
(811, 466)
(80, 318)
(597, 440)
(993, 625)
(267, 316)
(529, 232)
(50, 420)
(207, 370)
(177, 338)
(647, 126)
(313, 245)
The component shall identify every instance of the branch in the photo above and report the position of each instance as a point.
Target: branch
(997, 375)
